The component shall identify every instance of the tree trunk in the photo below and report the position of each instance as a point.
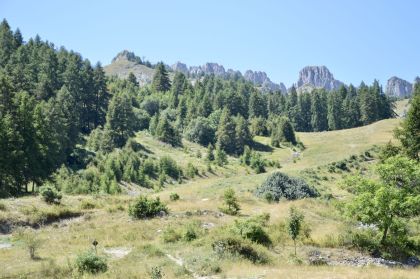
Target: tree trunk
(385, 234)
(294, 241)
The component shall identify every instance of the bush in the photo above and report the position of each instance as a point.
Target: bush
(168, 166)
(169, 235)
(192, 171)
(90, 262)
(49, 194)
(174, 197)
(200, 131)
(251, 229)
(156, 273)
(190, 234)
(30, 240)
(87, 204)
(146, 208)
(233, 247)
(257, 163)
(279, 185)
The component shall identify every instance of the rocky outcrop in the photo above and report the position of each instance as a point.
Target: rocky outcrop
(416, 80)
(180, 67)
(398, 87)
(317, 77)
(126, 62)
(208, 69)
(126, 55)
(263, 81)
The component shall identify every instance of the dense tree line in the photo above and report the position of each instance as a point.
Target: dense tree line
(48, 98)
(56, 108)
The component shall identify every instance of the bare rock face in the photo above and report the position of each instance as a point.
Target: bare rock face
(416, 80)
(180, 67)
(261, 79)
(398, 87)
(208, 69)
(126, 55)
(317, 77)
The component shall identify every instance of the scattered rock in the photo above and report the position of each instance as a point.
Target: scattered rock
(208, 225)
(117, 252)
(315, 258)
(413, 261)
(5, 245)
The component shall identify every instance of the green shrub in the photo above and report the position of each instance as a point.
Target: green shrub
(192, 171)
(190, 233)
(168, 166)
(257, 163)
(144, 207)
(49, 194)
(2, 207)
(169, 235)
(91, 263)
(233, 247)
(87, 204)
(174, 197)
(251, 229)
(156, 273)
(30, 241)
(280, 185)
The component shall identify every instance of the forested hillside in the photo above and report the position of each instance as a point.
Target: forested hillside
(57, 109)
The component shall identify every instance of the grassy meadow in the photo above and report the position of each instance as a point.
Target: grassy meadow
(105, 218)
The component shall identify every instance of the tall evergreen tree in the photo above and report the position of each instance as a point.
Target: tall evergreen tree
(120, 119)
(226, 132)
(409, 134)
(161, 82)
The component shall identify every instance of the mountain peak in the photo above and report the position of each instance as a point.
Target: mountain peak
(317, 77)
(398, 87)
(128, 56)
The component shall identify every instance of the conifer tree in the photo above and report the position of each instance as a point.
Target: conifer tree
(161, 82)
(226, 132)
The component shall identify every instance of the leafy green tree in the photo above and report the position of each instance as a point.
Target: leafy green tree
(409, 133)
(230, 202)
(389, 201)
(161, 81)
(200, 131)
(294, 224)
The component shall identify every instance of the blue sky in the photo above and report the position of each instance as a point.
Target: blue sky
(357, 40)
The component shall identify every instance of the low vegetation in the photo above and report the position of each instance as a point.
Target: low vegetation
(281, 186)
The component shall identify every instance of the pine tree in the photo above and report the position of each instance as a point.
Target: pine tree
(257, 105)
(161, 82)
(120, 119)
(409, 133)
(318, 112)
(166, 132)
(132, 79)
(242, 134)
(226, 132)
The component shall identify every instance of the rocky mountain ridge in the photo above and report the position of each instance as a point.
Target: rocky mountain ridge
(398, 87)
(310, 77)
